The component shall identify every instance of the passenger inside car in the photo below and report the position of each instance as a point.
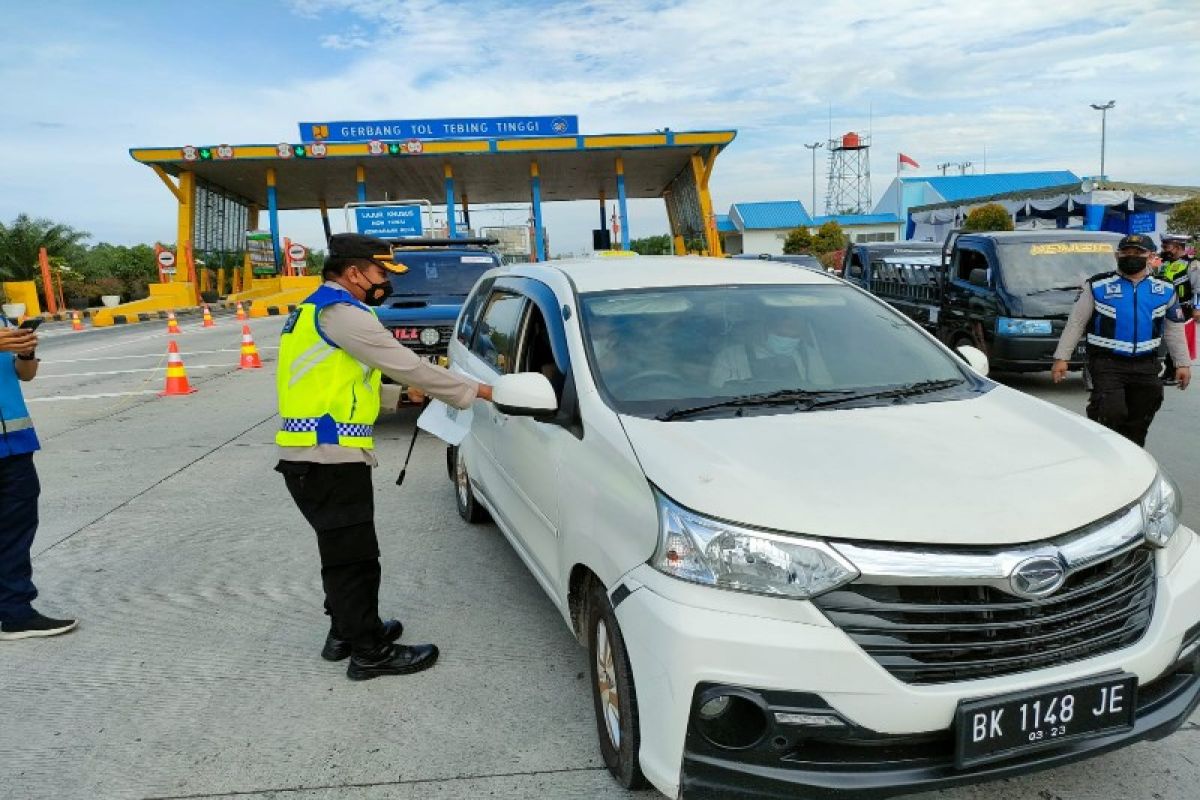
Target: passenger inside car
(773, 349)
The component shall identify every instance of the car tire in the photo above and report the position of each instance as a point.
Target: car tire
(464, 496)
(614, 697)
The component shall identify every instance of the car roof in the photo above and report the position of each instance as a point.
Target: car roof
(609, 273)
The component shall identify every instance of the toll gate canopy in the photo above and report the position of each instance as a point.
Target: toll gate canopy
(221, 188)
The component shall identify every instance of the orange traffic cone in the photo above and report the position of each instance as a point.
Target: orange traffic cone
(177, 381)
(76, 322)
(172, 323)
(208, 320)
(250, 359)
(241, 312)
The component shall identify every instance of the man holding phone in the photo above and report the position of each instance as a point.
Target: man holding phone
(19, 489)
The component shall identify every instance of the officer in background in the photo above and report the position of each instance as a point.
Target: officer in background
(331, 357)
(19, 491)
(1126, 315)
(1185, 276)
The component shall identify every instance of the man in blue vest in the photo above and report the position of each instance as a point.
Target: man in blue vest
(1126, 315)
(19, 490)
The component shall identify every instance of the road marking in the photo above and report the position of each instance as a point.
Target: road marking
(61, 398)
(52, 360)
(130, 371)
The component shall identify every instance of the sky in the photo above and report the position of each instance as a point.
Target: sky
(1008, 82)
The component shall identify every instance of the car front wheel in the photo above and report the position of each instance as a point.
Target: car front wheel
(464, 496)
(613, 694)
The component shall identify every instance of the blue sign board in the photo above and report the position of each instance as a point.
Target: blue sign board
(453, 128)
(388, 222)
(1141, 222)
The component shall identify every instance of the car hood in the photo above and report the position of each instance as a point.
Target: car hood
(997, 469)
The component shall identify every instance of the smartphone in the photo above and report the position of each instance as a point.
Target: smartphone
(31, 324)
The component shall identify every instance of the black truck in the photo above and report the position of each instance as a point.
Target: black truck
(1008, 293)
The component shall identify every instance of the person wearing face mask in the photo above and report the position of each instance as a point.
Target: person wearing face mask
(1126, 315)
(778, 355)
(332, 355)
(1185, 276)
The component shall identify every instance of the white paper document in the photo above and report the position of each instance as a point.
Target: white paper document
(447, 423)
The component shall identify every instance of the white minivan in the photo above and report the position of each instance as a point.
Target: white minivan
(811, 551)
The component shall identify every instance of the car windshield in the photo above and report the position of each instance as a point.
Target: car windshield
(1034, 267)
(437, 273)
(661, 350)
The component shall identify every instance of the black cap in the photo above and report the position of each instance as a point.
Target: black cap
(359, 245)
(1139, 241)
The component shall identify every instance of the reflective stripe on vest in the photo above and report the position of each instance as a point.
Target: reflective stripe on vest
(325, 395)
(1128, 318)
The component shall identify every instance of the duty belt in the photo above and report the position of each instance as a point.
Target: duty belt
(309, 425)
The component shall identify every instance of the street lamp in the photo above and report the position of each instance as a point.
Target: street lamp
(814, 147)
(1103, 128)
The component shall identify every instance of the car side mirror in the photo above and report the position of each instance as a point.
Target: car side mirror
(524, 394)
(975, 358)
(978, 277)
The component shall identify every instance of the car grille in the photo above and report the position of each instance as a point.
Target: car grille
(409, 336)
(939, 634)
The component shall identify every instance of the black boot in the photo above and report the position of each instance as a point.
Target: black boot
(391, 659)
(336, 649)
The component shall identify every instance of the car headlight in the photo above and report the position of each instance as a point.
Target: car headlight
(1006, 326)
(707, 551)
(1162, 506)
(430, 337)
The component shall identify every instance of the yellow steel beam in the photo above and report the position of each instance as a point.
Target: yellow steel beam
(701, 170)
(185, 229)
(162, 176)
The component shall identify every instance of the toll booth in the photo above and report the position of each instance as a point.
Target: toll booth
(223, 191)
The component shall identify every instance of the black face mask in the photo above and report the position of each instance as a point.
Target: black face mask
(1131, 265)
(377, 293)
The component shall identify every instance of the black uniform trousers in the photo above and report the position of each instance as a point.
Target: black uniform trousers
(338, 501)
(1126, 393)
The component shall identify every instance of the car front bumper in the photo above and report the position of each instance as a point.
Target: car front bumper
(682, 638)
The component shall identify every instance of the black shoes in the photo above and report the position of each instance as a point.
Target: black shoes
(34, 627)
(336, 649)
(391, 659)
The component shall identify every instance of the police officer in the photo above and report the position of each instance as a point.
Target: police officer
(331, 356)
(1125, 314)
(19, 490)
(1184, 276)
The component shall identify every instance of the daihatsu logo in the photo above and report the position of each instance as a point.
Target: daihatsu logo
(1037, 577)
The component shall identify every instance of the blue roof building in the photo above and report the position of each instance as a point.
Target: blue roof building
(906, 192)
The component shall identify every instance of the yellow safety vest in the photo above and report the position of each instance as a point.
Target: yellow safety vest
(325, 395)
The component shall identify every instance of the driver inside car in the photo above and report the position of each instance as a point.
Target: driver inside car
(779, 355)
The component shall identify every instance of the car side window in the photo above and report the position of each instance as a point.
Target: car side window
(968, 260)
(495, 340)
(470, 317)
(537, 354)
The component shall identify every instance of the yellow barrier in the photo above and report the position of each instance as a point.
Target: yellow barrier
(261, 287)
(293, 289)
(163, 297)
(22, 292)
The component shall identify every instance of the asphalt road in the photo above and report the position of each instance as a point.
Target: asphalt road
(195, 672)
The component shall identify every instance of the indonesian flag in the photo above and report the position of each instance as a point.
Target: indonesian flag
(907, 161)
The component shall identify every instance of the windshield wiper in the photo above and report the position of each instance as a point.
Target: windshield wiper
(781, 397)
(1053, 289)
(894, 393)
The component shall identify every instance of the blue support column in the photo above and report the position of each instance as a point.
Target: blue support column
(1093, 217)
(451, 221)
(623, 210)
(273, 216)
(360, 177)
(535, 186)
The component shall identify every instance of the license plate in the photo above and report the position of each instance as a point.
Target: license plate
(994, 728)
